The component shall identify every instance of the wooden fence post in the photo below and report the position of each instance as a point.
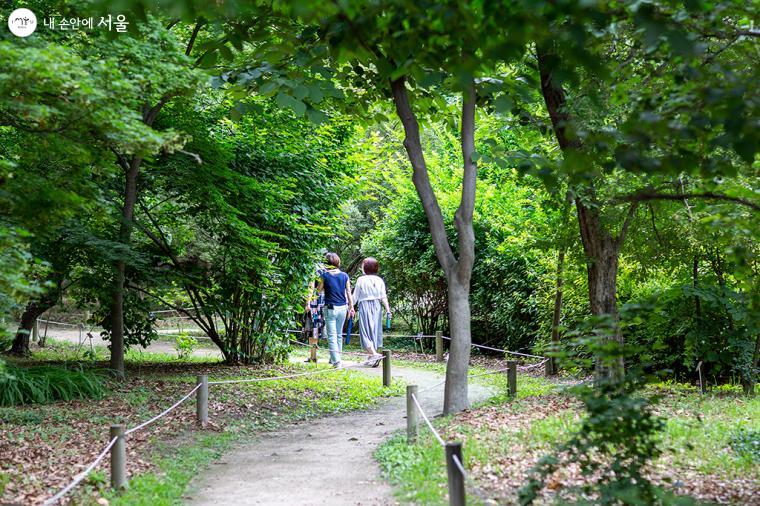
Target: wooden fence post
(439, 346)
(411, 414)
(702, 386)
(201, 400)
(118, 458)
(43, 340)
(512, 377)
(387, 368)
(456, 479)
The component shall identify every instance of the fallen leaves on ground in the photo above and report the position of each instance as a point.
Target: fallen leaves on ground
(43, 448)
(509, 459)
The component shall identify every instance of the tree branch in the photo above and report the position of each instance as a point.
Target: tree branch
(463, 216)
(194, 35)
(654, 225)
(150, 115)
(645, 195)
(628, 219)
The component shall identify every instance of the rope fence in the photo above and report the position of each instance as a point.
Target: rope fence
(81, 476)
(457, 474)
(517, 353)
(117, 444)
(427, 420)
(163, 413)
(438, 336)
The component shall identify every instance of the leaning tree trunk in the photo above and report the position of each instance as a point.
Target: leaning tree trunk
(34, 309)
(21, 340)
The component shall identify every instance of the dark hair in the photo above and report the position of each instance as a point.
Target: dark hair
(332, 259)
(370, 265)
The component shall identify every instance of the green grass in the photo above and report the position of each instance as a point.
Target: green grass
(716, 434)
(47, 383)
(418, 472)
(248, 409)
(703, 427)
(64, 351)
(175, 472)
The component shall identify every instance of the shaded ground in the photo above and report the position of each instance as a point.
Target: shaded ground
(504, 440)
(328, 461)
(44, 447)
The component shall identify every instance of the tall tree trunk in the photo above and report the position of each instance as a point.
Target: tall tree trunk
(117, 297)
(455, 393)
(557, 308)
(458, 271)
(131, 168)
(600, 247)
(602, 253)
(562, 249)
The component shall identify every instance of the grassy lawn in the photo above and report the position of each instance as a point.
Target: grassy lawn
(712, 445)
(45, 446)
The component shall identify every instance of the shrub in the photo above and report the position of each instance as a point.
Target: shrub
(45, 384)
(184, 343)
(618, 437)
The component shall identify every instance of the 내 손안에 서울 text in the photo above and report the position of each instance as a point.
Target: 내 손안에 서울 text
(23, 22)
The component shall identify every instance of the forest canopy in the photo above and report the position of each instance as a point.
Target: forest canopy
(205, 158)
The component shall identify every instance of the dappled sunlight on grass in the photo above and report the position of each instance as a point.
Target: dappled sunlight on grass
(505, 436)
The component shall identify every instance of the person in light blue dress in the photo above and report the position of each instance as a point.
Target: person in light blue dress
(369, 295)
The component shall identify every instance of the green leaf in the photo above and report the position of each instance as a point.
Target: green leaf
(315, 116)
(209, 59)
(286, 101)
(301, 92)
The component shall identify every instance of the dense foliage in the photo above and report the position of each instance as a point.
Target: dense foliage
(45, 384)
(576, 167)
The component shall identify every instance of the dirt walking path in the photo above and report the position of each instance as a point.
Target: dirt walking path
(322, 462)
(205, 349)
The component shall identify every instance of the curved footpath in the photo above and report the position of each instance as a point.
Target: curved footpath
(320, 462)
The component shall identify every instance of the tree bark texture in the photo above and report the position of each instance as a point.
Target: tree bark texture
(117, 298)
(458, 271)
(601, 248)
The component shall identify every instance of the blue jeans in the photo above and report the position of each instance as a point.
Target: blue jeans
(334, 320)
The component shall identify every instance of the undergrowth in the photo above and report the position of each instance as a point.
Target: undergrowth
(44, 384)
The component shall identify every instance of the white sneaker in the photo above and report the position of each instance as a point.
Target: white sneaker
(337, 365)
